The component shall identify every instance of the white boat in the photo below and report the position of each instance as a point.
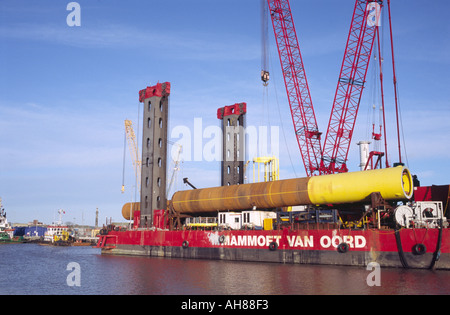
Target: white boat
(6, 230)
(57, 232)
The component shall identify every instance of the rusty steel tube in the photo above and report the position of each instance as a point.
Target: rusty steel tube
(129, 208)
(392, 183)
(239, 197)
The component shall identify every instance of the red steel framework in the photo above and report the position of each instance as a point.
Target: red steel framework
(333, 157)
(303, 116)
(350, 86)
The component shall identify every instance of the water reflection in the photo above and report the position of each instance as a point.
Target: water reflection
(34, 269)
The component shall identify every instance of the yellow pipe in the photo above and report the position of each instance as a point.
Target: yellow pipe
(392, 183)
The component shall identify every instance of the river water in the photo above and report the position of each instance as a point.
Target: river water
(36, 269)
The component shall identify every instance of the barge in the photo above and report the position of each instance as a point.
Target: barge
(406, 248)
(332, 216)
(350, 218)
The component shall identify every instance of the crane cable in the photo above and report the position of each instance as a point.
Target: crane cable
(374, 97)
(264, 43)
(266, 62)
(400, 132)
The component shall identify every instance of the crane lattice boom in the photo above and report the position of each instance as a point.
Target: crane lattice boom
(303, 116)
(134, 151)
(332, 158)
(350, 85)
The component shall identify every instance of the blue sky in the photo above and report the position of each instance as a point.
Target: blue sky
(65, 91)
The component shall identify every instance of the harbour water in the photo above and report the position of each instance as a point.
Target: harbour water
(35, 269)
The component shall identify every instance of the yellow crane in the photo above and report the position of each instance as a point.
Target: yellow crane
(175, 168)
(134, 151)
(271, 168)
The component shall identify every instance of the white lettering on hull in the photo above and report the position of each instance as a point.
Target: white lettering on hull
(292, 241)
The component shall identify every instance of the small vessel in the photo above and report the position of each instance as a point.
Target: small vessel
(6, 230)
(57, 233)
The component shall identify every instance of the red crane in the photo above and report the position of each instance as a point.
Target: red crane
(332, 158)
(352, 78)
(302, 110)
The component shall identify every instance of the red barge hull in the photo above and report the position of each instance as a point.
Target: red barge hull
(406, 248)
